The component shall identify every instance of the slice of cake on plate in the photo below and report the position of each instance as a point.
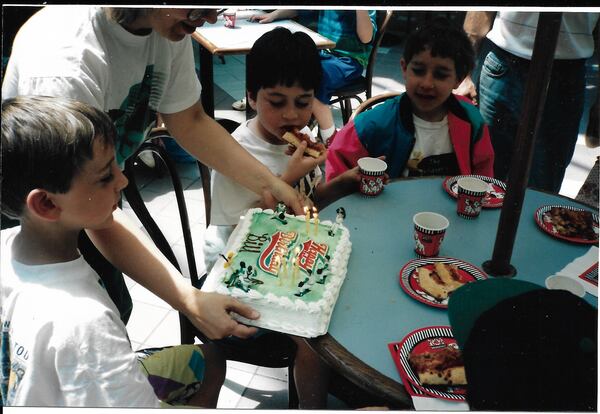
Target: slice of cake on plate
(288, 268)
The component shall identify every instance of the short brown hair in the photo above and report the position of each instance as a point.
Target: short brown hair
(45, 143)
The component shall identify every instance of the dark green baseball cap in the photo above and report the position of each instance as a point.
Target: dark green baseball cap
(468, 302)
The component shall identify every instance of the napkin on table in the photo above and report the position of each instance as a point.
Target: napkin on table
(437, 404)
(580, 265)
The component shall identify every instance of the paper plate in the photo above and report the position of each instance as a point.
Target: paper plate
(544, 221)
(496, 189)
(425, 340)
(409, 280)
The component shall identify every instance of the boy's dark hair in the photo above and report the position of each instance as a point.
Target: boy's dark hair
(45, 143)
(280, 57)
(444, 40)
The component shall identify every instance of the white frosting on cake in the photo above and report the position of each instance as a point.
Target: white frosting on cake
(280, 313)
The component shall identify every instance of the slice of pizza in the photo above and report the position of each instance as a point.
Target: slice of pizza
(441, 281)
(573, 223)
(440, 367)
(295, 137)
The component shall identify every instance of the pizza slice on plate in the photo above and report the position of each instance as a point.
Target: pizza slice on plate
(440, 281)
(440, 367)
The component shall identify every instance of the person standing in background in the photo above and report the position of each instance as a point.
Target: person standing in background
(505, 44)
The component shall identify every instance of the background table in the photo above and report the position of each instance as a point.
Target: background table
(216, 39)
(373, 310)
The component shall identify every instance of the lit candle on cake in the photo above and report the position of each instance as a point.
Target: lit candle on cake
(284, 267)
(316, 217)
(278, 268)
(295, 265)
(307, 218)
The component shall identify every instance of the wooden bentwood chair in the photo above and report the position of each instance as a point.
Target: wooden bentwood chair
(363, 84)
(272, 349)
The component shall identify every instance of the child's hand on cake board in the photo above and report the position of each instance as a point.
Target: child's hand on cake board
(300, 164)
(212, 316)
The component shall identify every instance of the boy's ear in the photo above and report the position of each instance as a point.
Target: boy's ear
(40, 203)
(403, 65)
(251, 100)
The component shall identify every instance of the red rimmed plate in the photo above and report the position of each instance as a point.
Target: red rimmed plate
(544, 221)
(425, 340)
(496, 189)
(409, 280)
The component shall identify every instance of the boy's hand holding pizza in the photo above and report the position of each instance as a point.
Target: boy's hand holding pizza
(301, 164)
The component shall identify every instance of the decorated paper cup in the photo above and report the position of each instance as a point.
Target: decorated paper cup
(430, 229)
(229, 17)
(372, 171)
(471, 192)
(565, 283)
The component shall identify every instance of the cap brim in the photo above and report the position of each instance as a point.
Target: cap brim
(467, 303)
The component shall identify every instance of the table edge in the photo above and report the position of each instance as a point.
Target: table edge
(349, 366)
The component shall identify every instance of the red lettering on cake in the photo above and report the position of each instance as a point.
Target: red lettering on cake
(311, 253)
(279, 247)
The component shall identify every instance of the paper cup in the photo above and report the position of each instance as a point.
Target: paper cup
(229, 17)
(430, 229)
(565, 283)
(372, 171)
(471, 192)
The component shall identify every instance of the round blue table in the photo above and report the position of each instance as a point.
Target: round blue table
(373, 310)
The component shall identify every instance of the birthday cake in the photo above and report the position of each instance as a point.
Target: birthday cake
(289, 268)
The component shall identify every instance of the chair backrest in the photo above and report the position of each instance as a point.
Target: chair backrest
(381, 29)
(230, 126)
(371, 102)
(139, 208)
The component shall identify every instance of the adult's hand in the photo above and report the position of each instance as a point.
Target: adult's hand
(210, 312)
(262, 18)
(281, 191)
(467, 88)
(274, 15)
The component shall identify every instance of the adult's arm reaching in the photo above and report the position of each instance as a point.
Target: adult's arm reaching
(126, 246)
(278, 14)
(206, 140)
(476, 25)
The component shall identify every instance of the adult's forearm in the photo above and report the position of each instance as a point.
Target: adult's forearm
(206, 140)
(477, 25)
(281, 14)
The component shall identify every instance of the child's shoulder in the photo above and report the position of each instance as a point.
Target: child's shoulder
(381, 117)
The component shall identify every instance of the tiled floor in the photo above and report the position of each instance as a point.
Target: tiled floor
(154, 323)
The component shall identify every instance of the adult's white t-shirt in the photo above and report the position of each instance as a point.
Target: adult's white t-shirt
(515, 33)
(77, 52)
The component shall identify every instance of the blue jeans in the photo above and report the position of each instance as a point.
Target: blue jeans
(501, 88)
(338, 71)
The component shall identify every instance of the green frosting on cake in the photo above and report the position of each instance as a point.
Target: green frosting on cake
(273, 241)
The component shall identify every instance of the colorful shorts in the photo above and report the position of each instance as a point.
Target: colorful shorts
(175, 373)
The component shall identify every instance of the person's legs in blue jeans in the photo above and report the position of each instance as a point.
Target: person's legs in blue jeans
(337, 72)
(500, 97)
(501, 88)
(559, 127)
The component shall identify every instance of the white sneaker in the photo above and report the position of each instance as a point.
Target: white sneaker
(239, 105)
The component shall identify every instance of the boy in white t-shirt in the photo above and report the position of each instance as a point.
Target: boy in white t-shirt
(283, 71)
(427, 130)
(63, 342)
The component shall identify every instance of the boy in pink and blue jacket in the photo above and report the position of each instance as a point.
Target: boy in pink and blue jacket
(427, 130)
